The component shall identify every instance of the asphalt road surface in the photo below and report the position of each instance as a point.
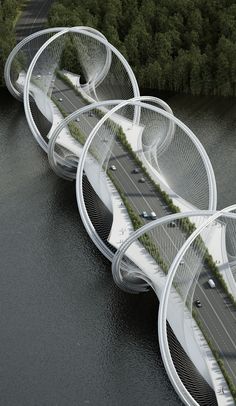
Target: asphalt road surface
(33, 18)
(217, 315)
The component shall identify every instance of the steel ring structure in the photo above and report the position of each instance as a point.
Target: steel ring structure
(145, 186)
(175, 267)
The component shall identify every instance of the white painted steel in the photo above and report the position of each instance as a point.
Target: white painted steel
(73, 116)
(27, 40)
(66, 167)
(178, 385)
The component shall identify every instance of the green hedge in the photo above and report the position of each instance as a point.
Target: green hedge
(137, 223)
(68, 82)
(74, 130)
(219, 360)
(185, 224)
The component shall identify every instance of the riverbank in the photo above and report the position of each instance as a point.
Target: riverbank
(18, 22)
(10, 12)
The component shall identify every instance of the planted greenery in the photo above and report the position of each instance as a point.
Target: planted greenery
(9, 13)
(68, 82)
(218, 358)
(137, 223)
(74, 130)
(185, 224)
(210, 263)
(164, 196)
(182, 46)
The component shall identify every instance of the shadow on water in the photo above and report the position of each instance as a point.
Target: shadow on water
(213, 120)
(68, 334)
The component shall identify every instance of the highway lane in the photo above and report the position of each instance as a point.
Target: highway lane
(33, 18)
(216, 315)
(218, 318)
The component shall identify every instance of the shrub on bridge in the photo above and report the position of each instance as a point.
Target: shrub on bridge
(217, 356)
(145, 240)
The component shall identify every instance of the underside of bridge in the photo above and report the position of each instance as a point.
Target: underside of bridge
(135, 165)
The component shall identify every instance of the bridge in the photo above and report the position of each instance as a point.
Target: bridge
(146, 194)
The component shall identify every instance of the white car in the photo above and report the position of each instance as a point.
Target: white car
(211, 283)
(144, 215)
(153, 215)
(113, 167)
(142, 180)
(60, 99)
(77, 119)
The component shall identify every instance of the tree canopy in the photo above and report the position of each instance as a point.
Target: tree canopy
(8, 13)
(178, 45)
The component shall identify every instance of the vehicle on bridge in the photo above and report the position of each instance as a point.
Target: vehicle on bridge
(198, 303)
(153, 215)
(135, 170)
(142, 180)
(211, 283)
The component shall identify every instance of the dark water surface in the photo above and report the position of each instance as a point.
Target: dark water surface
(213, 121)
(68, 335)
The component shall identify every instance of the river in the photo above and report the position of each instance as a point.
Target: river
(213, 121)
(69, 336)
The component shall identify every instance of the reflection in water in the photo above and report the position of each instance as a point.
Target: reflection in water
(69, 336)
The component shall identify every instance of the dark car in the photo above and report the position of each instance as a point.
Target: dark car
(198, 303)
(135, 170)
(172, 224)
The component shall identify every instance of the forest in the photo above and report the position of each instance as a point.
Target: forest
(9, 10)
(176, 45)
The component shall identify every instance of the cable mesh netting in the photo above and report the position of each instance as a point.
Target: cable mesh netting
(23, 59)
(229, 228)
(140, 165)
(158, 248)
(174, 155)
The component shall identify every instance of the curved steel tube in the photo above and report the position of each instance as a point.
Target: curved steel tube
(164, 299)
(20, 45)
(65, 167)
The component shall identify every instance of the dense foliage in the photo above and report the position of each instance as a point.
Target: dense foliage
(8, 12)
(180, 45)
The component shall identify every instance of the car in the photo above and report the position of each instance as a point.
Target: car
(113, 167)
(211, 283)
(181, 262)
(77, 119)
(135, 170)
(38, 76)
(153, 215)
(90, 114)
(60, 99)
(172, 224)
(142, 180)
(144, 215)
(198, 303)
